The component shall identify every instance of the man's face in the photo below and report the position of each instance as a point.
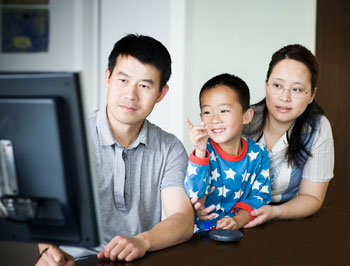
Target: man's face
(133, 90)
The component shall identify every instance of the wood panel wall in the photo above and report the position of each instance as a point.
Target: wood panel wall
(333, 53)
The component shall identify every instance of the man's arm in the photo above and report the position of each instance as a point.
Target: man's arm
(176, 228)
(52, 255)
(180, 216)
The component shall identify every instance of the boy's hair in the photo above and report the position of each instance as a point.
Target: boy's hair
(145, 49)
(233, 82)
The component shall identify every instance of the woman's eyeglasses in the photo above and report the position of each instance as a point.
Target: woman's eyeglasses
(296, 92)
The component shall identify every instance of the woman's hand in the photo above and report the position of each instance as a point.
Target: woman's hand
(262, 215)
(308, 201)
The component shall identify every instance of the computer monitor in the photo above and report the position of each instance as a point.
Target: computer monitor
(47, 191)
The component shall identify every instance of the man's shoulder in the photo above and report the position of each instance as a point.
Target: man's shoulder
(92, 117)
(158, 135)
(164, 142)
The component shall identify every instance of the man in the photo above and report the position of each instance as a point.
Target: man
(140, 167)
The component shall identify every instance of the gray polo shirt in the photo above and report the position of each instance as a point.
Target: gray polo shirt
(130, 179)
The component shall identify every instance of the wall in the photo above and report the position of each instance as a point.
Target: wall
(239, 37)
(333, 92)
(163, 20)
(205, 38)
(72, 45)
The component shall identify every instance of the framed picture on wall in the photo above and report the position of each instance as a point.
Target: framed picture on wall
(25, 30)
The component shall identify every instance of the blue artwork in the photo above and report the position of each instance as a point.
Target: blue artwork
(25, 30)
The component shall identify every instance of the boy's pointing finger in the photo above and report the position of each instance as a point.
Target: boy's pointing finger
(188, 122)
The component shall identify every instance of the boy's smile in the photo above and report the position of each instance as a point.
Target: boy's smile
(223, 114)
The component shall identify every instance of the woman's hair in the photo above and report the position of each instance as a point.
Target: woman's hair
(297, 151)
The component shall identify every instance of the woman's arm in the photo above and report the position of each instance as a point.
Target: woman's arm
(308, 201)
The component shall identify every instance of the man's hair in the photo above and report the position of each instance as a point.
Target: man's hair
(233, 82)
(145, 49)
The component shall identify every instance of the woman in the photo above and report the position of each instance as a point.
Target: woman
(299, 138)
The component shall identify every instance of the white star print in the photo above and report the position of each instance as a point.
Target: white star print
(256, 185)
(245, 176)
(253, 155)
(212, 156)
(218, 207)
(258, 197)
(265, 173)
(222, 191)
(195, 228)
(238, 194)
(265, 189)
(207, 190)
(191, 170)
(193, 194)
(230, 174)
(252, 178)
(215, 174)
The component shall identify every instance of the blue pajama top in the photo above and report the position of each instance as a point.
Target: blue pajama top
(241, 182)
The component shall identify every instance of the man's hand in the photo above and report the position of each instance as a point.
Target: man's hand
(55, 257)
(125, 248)
(199, 207)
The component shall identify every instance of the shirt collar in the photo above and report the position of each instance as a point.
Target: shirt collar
(104, 131)
(142, 137)
(106, 136)
(281, 144)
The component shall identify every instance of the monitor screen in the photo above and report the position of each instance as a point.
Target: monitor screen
(47, 191)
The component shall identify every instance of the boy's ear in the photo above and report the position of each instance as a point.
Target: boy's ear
(248, 116)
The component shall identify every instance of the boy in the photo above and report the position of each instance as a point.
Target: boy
(230, 171)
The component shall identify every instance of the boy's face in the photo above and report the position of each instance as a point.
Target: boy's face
(133, 90)
(223, 115)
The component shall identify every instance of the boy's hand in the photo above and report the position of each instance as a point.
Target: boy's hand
(227, 223)
(199, 138)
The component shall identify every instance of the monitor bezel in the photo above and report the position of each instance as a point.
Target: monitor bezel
(64, 86)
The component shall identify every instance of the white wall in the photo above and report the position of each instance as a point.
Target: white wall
(204, 37)
(239, 37)
(163, 20)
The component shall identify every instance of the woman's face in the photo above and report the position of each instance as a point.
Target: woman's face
(286, 105)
